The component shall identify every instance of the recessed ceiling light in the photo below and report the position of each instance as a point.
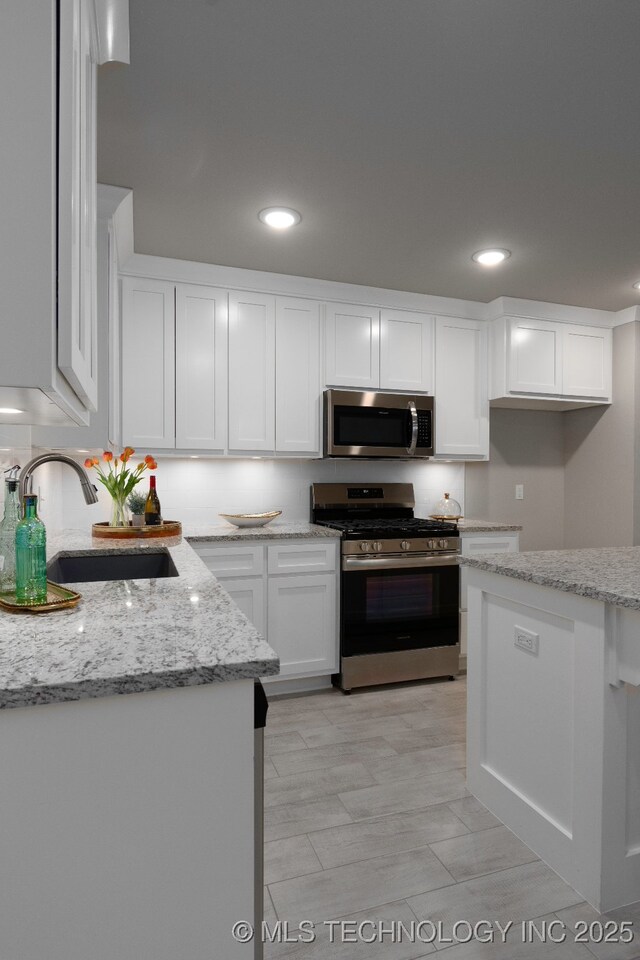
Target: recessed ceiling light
(636, 285)
(280, 218)
(491, 258)
(10, 410)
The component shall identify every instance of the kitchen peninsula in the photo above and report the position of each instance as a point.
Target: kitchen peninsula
(554, 710)
(127, 768)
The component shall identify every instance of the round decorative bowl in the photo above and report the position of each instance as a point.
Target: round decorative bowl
(250, 519)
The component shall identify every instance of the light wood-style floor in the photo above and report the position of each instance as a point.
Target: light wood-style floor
(367, 818)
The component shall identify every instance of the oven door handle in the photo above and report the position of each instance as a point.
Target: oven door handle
(397, 562)
(411, 449)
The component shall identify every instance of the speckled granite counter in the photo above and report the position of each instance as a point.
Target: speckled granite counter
(276, 530)
(486, 526)
(608, 574)
(129, 636)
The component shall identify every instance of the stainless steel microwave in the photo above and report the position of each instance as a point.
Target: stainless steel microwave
(371, 424)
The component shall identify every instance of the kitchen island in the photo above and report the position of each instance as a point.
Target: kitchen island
(554, 710)
(126, 751)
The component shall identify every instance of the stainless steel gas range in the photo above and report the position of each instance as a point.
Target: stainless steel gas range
(399, 616)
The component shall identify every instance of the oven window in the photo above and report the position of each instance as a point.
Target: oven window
(394, 599)
(396, 609)
(371, 427)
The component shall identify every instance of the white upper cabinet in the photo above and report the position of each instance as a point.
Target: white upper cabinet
(298, 387)
(48, 57)
(201, 368)
(252, 341)
(535, 357)
(406, 351)
(378, 349)
(148, 358)
(461, 405)
(352, 346)
(586, 362)
(77, 301)
(549, 364)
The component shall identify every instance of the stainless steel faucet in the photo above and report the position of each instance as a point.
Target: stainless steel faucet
(90, 492)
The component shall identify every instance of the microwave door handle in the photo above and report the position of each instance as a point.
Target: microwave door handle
(411, 449)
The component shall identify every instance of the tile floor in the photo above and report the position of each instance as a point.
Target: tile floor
(367, 819)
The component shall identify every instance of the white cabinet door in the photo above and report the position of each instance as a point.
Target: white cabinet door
(251, 372)
(535, 357)
(586, 362)
(406, 351)
(302, 623)
(77, 299)
(461, 404)
(148, 363)
(249, 596)
(352, 346)
(201, 368)
(298, 387)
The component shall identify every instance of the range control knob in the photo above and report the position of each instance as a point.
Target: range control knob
(405, 545)
(432, 544)
(364, 546)
(377, 546)
(443, 544)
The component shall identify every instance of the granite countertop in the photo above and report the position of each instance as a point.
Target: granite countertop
(276, 530)
(467, 525)
(128, 636)
(608, 574)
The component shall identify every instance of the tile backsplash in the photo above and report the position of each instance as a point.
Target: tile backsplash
(196, 490)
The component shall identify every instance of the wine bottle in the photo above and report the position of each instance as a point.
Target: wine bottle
(31, 555)
(152, 512)
(12, 517)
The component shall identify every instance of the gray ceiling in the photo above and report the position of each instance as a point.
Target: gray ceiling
(408, 133)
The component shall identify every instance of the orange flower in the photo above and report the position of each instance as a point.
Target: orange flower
(149, 460)
(107, 456)
(151, 463)
(129, 450)
(88, 462)
(124, 457)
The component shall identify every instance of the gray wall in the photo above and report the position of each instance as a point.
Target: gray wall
(527, 446)
(601, 446)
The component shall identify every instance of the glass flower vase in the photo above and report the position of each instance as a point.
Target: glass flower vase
(119, 512)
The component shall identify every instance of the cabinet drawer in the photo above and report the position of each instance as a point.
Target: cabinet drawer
(307, 557)
(470, 546)
(232, 560)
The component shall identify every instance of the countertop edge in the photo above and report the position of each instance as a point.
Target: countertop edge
(580, 589)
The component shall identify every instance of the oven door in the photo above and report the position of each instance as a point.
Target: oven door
(359, 424)
(399, 603)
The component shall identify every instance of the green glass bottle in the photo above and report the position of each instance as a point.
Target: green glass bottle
(31, 555)
(12, 516)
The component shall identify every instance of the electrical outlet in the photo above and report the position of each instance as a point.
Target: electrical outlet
(519, 491)
(526, 640)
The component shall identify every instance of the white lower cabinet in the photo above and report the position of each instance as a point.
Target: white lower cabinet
(289, 592)
(470, 545)
(301, 623)
(249, 595)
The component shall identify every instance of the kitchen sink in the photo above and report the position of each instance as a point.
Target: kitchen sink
(121, 565)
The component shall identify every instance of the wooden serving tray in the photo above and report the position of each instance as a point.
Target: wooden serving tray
(58, 598)
(168, 528)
